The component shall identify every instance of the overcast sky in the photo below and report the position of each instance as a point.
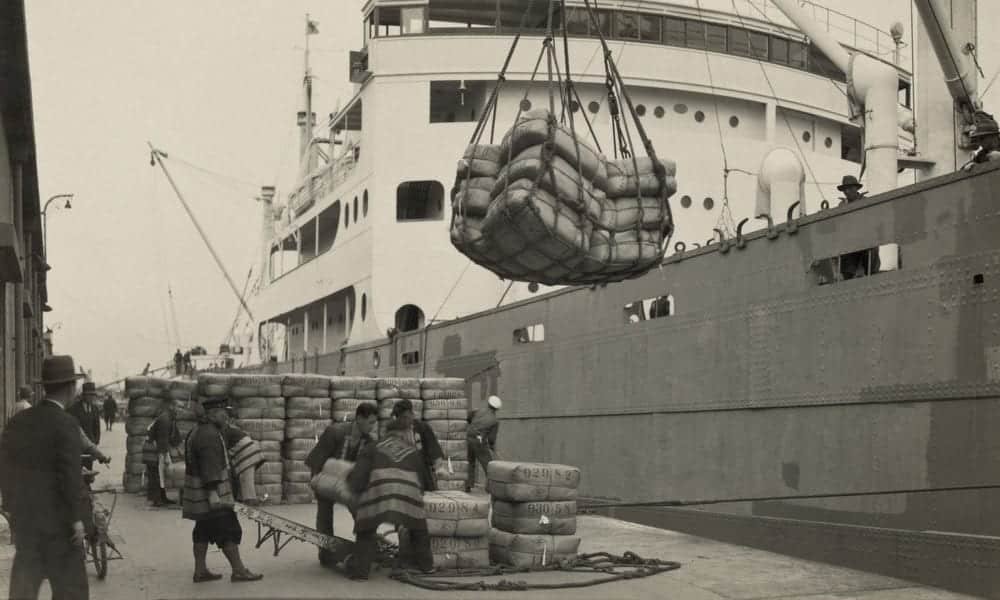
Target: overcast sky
(216, 84)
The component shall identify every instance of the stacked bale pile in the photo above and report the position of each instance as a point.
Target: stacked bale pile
(141, 411)
(347, 393)
(389, 391)
(260, 412)
(534, 513)
(459, 527)
(185, 396)
(307, 413)
(446, 412)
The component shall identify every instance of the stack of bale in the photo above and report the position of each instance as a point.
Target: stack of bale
(389, 391)
(459, 527)
(347, 393)
(534, 513)
(185, 396)
(307, 413)
(260, 412)
(142, 409)
(445, 409)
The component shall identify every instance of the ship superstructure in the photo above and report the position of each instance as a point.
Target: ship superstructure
(360, 247)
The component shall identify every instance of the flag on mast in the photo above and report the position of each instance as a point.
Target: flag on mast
(311, 26)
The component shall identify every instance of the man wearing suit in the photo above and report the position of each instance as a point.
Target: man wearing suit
(41, 484)
(88, 414)
(343, 441)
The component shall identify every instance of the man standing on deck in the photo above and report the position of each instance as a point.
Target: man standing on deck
(424, 439)
(40, 478)
(208, 495)
(481, 438)
(344, 441)
(987, 135)
(851, 188)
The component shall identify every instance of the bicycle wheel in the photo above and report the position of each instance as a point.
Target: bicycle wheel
(101, 559)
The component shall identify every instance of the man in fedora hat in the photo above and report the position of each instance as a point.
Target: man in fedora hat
(88, 413)
(208, 494)
(24, 395)
(987, 135)
(40, 478)
(851, 188)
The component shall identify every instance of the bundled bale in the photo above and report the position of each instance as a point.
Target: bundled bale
(331, 483)
(456, 514)
(389, 391)
(259, 407)
(214, 385)
(550, 518)
(260, 386)
(558, 211)
(135, 387)
(453, 552)
(531, 482)
(345, 408)
(446, 412)
(313, 386)
(522, 550)
(306, 418)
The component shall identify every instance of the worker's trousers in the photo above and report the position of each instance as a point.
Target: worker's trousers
(478, 454)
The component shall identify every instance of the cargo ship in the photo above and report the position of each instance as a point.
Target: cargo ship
(801, 374)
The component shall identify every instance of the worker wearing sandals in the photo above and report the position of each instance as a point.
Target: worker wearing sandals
(208, 495)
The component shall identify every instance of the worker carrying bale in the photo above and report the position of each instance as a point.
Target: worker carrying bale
(546, 206)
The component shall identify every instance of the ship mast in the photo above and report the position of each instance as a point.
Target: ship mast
(306, 117)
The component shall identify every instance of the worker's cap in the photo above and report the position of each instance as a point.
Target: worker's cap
(495, 402)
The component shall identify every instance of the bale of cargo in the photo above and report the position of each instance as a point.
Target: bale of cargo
(135, 386)
(261, 386)
(296, 493)
(467, 236)
(451, 485)
(158, 387)
(459, 403)
(185, 410)
(315, 386)
(259, 407)
(271, 450)
(397, 387)
(474, 195)
(183, 390)
(479, 160)
(445, 414)
(453, 553)
(306, 407)
(623, 183)
(144, 406)
(449, 430)
(523, 550)
(330, 484)
(426, 394)
(455, 469)
(137, 425)
(297, 449)
(269, 473)
(549, 518)
(133, 484)
(304, 429)
(455, 449)
(437, 384)
(456, 514)
(295, 471)
(352, 387)
(531, 482)
(263, 429)
(269, 492)
(214, 385)
(386, 405)
(540, 127)
(557, 177)
(345, 408)
(134, 444)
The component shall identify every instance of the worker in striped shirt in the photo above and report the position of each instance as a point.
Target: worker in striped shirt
(481, 438)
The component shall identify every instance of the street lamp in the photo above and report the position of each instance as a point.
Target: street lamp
(45, 227)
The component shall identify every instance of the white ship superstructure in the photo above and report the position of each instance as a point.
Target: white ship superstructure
(362, 245)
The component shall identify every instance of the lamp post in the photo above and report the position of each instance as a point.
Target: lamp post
(45, 227)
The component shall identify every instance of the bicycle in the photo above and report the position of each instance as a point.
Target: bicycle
(97, 523)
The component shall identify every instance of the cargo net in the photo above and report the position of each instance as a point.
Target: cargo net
(546, 205)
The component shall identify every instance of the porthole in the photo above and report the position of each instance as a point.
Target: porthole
(680, 108)
(686, 201)
(734, 121)
(659, 112)
(828, 142)
(594, 106)
(708, 203)
(355, 209)
(699, 116)
(364, 204)
(364, 306)
(806, 136)
(525, 105)
(640, 110)
(574, 106)
(347, 215)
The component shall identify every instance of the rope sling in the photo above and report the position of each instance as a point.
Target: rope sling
(544, 206)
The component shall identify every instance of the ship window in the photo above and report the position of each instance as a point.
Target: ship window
(649, 28)
(419, 201)
(708, 203)
(977, 279)
(329, 221)
(347, 214)
(699, 116)
(860, 263)
(715, 37)
(355, 209)
(457, 101)
(850, 144)
(410, 358)
(409, 318)
(529, 334)
(734, 121)
(779, 50)
(686, 201)
(659, 112)
(594, 106)
(695, 34)
(640, 109)
(603, 18)
(797, 53)
(828, 142)
(674, 32)
(364, 306)
(680, 108)
(627, 25)
(413, 20)
(577, 21)
(758, 45)
(364, 204)
(650, 308)
(904, 93)
(307, 250)
(739, 41)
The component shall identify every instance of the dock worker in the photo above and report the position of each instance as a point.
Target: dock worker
(208, 495)
(481, 438)
(343, 441)
(389, 478)
(110, 411)
(24, 396)
(40, 479)
(161, 437)
(425, 440)
(88, 413)
(851, 188)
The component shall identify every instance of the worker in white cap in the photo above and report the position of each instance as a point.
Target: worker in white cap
(481, 438)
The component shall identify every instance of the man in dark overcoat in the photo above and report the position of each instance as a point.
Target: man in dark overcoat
(41, 483)
(344, 441)
(88, 413)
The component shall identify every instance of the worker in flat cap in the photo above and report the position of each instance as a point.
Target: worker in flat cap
(481, 438)
(208, 498)
(41, 483)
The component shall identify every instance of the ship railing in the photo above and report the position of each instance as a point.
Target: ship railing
(320, 184)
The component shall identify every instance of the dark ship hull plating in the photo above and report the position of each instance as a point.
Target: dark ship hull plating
(764, 383)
